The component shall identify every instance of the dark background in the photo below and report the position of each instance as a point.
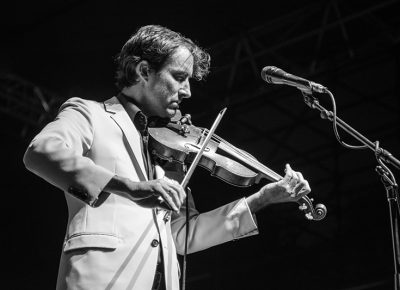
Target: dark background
(53, 50)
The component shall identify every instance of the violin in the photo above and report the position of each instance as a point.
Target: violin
(179, 142)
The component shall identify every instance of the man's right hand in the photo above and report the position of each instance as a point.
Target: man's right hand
(162, 193)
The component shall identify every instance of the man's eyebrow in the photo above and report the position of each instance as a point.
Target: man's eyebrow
(181, 71)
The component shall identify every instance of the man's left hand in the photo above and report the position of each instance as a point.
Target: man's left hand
(291, 188)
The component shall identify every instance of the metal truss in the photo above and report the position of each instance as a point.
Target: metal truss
(26, 103)
(299, 40)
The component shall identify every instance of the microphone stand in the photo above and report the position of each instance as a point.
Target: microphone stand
(386, 176)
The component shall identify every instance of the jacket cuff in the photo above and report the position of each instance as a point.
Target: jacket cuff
(91, 191)
(241, 215)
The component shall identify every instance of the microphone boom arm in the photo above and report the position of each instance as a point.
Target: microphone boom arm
(313, 103)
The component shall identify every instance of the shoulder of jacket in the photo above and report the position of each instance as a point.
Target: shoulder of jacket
(80, 102)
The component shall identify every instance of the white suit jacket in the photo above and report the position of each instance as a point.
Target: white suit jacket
(111, 242)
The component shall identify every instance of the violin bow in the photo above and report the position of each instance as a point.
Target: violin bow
(196, 160)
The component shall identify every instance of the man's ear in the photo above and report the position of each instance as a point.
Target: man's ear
(143, 70)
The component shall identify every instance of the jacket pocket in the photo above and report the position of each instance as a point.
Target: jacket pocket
(91, 240)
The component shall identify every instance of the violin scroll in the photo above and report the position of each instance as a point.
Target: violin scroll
(306, 205)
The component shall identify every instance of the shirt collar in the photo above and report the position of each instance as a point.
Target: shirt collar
(139, 119)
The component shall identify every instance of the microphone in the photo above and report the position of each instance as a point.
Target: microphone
(274, 75)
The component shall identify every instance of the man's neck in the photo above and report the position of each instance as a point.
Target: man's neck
(133, 95)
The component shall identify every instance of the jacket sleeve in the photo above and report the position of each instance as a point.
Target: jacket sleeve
(57, 153)
(226, 223)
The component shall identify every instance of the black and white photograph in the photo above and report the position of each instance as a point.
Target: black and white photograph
(187, 145)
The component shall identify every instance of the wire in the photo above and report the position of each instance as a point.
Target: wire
(335, 130)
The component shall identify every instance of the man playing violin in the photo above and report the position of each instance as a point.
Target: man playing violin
(120, 234)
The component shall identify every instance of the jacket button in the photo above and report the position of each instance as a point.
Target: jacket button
(154, 243)
(167, 217)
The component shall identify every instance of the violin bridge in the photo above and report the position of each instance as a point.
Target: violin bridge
(201, 138)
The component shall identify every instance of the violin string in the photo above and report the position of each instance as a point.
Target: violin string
(240, 152)
(243, 154)
(233, 148)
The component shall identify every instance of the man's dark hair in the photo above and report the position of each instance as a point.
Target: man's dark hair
(155, 44)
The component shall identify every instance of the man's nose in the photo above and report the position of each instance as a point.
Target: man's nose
(185, 92)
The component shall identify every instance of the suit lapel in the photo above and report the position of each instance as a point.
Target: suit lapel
(121, 117)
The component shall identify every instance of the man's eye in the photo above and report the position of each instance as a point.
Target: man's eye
(180, 78)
